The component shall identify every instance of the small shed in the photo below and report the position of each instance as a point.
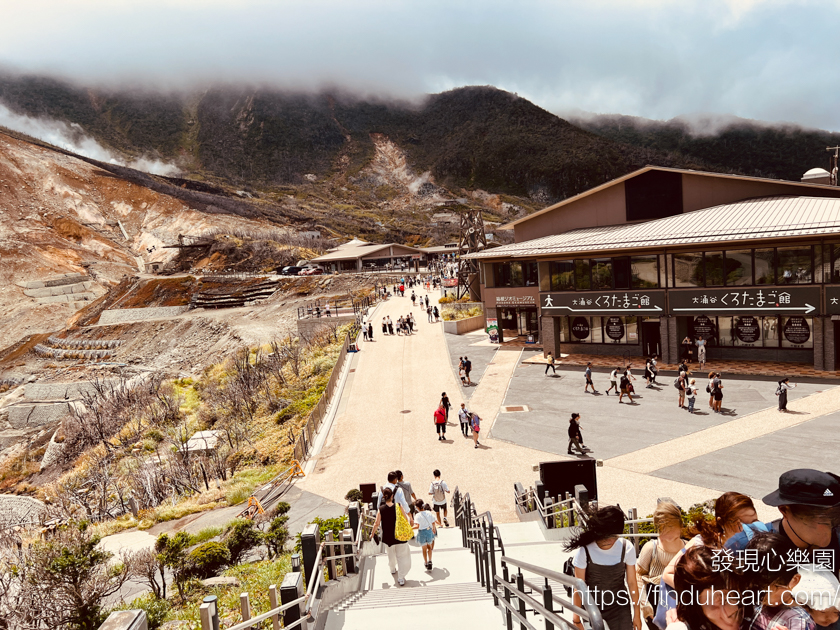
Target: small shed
(203, 442)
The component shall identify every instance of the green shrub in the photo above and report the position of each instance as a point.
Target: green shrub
(155, 608)
(208, 559)
(354, 495)
(242, 536)
(446, 300)
(276, 536)
(334, 525)
(282, 508)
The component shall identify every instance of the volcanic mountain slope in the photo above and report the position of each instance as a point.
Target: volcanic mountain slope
(733, 144)
(467, 138)
(62, 215)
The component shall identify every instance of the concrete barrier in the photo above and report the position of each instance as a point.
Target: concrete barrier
(463, 326)
(31, 416)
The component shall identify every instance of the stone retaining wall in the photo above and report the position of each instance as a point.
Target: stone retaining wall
(463, 326)
(84, 344)
(67, 278)
(118, 316)
(15, 509)
(56, 391)
(64, 289)
(30, 416)
(60, 353)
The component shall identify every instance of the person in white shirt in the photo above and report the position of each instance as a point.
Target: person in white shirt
(464, 418)
(438, 490)
(426, 527)
(399, 495)
(691, 395)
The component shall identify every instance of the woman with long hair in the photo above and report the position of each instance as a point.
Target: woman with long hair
(657, 554)
(781, 392)
(607, 563)
(702, 593)
(399, 555)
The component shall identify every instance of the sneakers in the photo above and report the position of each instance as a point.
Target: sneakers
(445, 523)
(394, 572)
(401, 582)
(428, 566)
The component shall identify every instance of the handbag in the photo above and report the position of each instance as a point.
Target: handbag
(403, 530)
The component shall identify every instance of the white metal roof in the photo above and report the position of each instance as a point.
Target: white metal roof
(364, 251)
(760, 218)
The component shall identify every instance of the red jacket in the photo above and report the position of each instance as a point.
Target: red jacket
(440, 416)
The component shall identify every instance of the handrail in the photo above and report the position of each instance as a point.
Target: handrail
(271, 613)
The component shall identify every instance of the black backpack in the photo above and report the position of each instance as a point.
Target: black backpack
(568, 569)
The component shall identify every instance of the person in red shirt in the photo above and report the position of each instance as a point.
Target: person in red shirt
(440, 422)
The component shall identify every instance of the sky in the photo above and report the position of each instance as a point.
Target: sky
(771, 60)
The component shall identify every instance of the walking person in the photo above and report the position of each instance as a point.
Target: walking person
(691, 395)
(438, 491)
(444, 400)
(550, 364)
(607, 563)
(399, 555)
(625, 389)
(413, 298)
(701, 351)
(440, 422)
(370, 331)
(717, 392)
(647, 375)
(390, 326)
(426, 530)
(462, 374)
(709, 391)
(464, 419)
(679, 383)
(782, 392)
(575, 437)
(436, 313)
(587, 373)
(364, 332)
(429, 313)
(613, 382)
(384, 327)
(467, 369)
(476, 428)
(653, 370)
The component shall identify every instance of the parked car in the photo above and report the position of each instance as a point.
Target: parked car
(290, 271)
(312, 271)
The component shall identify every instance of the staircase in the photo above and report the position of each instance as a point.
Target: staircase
(448, 596)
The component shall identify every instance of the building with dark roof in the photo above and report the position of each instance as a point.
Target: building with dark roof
(636, 265)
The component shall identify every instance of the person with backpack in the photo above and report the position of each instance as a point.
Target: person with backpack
(426, 531)
(613, 381)
(407, 490)
(691, 395)
(680, 383)
(440, 422)
(464, 419)
(782, 392)
(438, 491)
(625, 389)
(476, 427)
(587, 373)
(607, 563)
(549, 363)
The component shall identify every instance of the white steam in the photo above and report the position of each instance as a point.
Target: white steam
(73, 138)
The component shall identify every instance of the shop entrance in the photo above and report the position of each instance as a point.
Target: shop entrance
(518, 321)
(836, 344)
(651, 340)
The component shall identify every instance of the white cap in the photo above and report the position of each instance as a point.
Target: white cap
(818, 589)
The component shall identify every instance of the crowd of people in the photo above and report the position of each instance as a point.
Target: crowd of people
(726, 571)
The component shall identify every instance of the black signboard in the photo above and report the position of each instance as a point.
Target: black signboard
(636, 302)
(832, 300)
(796, 330)
(704, 327)
(746, 301)
(580, 327)
(615, 328)
(747, 329)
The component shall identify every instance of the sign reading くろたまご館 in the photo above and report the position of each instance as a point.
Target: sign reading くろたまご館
(751, 301)
(648, 303)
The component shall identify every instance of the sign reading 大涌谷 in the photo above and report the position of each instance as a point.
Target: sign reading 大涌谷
(752, 301)
(650, 303)
(832, 300)
(516, 300)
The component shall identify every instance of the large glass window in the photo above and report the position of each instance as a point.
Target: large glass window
(529, 274)
(744, 331)
(739, 267)
(688, 270)
(562, 275)
(795, 265)
(714, 269)
(602, 273)
(644, 272)
(613, 330)
(764, 266)
(597, 324)
(621, 272)
(582, 275)
(835, 263)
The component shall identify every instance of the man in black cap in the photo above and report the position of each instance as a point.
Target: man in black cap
(809, 501)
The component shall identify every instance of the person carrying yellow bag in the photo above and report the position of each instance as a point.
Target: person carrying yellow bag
(396, 532)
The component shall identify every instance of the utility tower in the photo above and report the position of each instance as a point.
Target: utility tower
(834, 166)
(472, 240)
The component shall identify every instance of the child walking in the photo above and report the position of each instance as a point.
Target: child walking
(426, 527)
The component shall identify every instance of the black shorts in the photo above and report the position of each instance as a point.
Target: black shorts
(440, 506)
(589, 380)
(441, 427)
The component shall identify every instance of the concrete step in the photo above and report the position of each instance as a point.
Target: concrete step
(441, 594)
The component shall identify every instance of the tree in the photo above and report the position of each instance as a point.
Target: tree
(172, 554)
(60, 582)
(242, 536)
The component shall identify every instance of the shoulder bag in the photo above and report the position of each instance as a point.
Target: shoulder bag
(403, 530)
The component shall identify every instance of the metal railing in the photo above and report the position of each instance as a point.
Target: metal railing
(511, 591)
